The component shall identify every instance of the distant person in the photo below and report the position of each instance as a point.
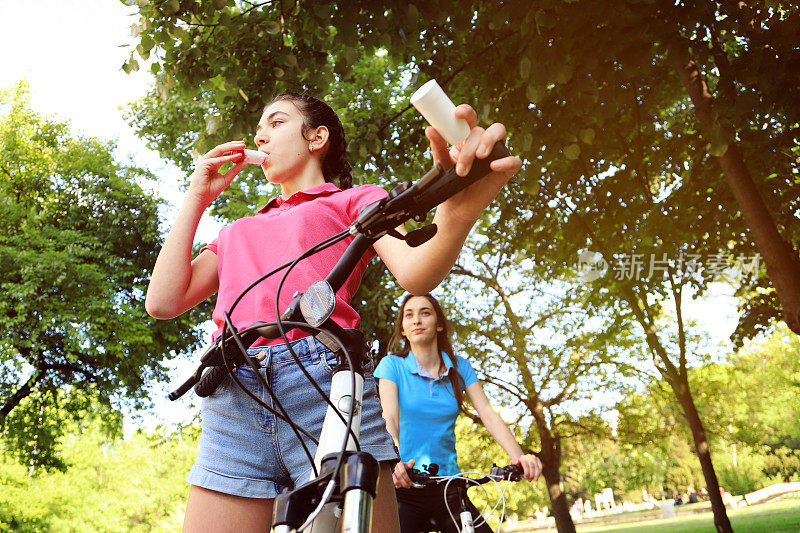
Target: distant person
(693, 497)
(727, 498)
(677, 497)
(422, 387)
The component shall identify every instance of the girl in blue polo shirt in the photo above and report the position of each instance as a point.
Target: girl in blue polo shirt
(422, 388)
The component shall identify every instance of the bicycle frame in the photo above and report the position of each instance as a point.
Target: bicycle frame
(358, 480)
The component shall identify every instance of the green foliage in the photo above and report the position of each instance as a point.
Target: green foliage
(80, 241)
(34, 431)
(783, 464)
(112, 485)
(593, 464)
(743, 472)
(749, 404)
(477, 452)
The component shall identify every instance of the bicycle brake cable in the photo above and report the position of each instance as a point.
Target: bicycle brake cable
(330, 241)
(241, 347)
(338, 237)
(348, 422)
(228, 325)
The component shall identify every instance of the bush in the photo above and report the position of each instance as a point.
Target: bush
(132, 485)
(746, 475)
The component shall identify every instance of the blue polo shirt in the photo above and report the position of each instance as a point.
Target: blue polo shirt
(428, 410)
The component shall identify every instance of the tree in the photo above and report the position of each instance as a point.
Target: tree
(80, 240)
(741, 37)
(540, 345)
(581, 103)
(130, 485)
(753, 397)
(748, 403)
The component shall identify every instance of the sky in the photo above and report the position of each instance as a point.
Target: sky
(70, 53)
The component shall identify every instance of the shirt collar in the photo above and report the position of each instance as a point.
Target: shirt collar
(413, 365)
(301, 196)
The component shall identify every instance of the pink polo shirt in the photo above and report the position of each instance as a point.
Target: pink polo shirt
(280, 232)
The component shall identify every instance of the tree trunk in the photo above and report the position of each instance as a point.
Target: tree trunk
(551, 464)
(781, 260)
(684, 396)
(20, 394)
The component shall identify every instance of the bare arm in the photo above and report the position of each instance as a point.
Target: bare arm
(421, 269)
(179, 283)
(391, 408)
(391, 414)
(499, 431)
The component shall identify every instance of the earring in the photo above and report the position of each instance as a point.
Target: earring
(310, 147)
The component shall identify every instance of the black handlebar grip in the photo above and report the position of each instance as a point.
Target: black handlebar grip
(212, 379)
(416, 476)
(451, 183)
(515, 470)
(510, 472)
(184, 388)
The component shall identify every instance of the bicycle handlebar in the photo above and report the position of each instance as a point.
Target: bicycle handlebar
(510, 473)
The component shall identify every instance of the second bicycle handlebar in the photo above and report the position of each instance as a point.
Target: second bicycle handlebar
(510, 473)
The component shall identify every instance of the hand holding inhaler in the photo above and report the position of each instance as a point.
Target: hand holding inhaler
(472, 146)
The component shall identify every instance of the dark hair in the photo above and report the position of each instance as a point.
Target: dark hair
(401, 347)
(317, 113)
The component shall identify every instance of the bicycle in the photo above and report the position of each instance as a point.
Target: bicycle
(344, 479)
(460, 484)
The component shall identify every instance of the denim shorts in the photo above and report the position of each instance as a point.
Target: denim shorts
(245, 450)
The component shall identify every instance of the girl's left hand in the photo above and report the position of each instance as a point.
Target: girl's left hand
(531, 466)
(468, 204)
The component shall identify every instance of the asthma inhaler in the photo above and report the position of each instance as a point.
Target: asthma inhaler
(254, 157)
(431, 101)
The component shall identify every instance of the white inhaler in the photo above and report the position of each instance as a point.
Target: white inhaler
(431, 101)
(254, 157)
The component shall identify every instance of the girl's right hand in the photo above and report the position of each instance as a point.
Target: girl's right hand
(206, 181)
(400, 474)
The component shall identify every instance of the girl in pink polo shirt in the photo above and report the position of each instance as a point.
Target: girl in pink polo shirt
(246, 456)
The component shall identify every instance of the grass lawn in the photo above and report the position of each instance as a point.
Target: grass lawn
(778, 517)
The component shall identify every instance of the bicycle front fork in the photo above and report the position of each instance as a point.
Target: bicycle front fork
(358, 482)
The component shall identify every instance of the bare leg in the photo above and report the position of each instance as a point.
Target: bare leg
(209, 510)
(384, 510)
